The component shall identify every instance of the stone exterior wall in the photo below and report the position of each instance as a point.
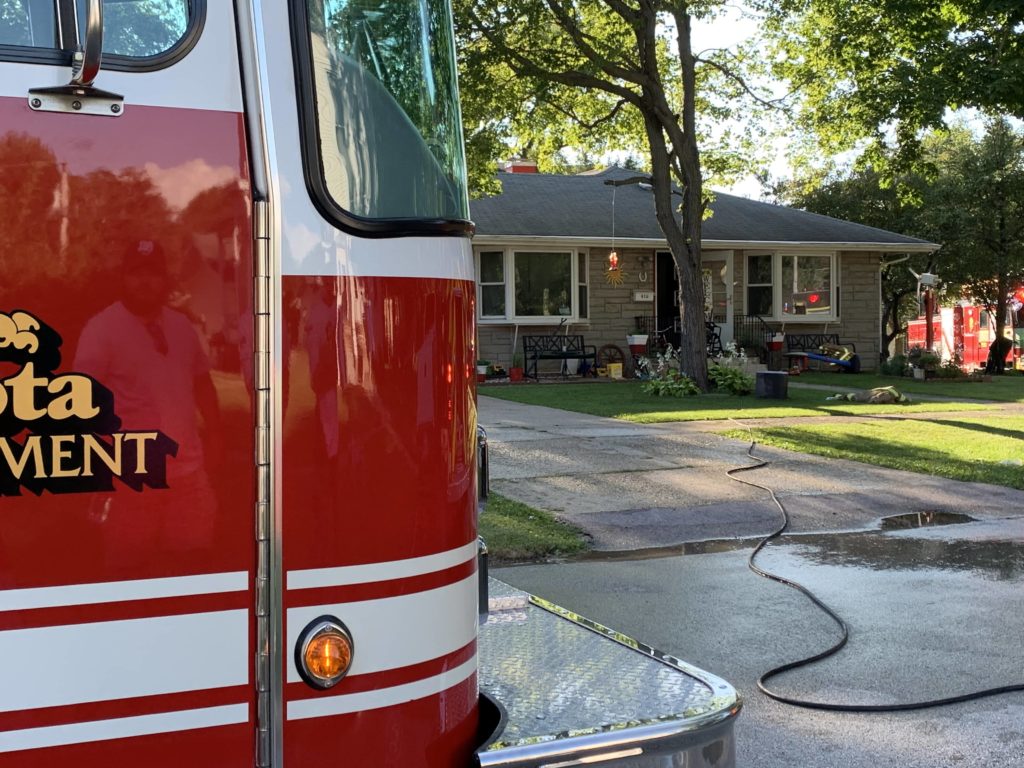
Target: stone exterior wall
(860, 306)
(613, 311)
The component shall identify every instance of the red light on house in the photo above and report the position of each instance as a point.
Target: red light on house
(613, 261)
(813, 298)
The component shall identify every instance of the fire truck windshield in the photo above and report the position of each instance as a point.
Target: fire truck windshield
(387, 112)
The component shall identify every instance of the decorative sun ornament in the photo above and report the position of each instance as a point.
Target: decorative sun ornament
(614, 276)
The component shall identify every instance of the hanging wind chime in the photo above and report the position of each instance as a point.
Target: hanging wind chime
(614, 275)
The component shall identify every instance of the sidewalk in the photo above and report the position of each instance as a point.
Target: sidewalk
(636, 486)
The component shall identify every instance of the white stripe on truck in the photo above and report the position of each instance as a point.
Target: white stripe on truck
(79, 663)
(396, 569)
(119, 591)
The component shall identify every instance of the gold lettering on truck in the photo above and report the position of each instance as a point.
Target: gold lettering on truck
(59, 432)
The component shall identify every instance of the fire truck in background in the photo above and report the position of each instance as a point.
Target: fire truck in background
(239, 455)
(965, 332)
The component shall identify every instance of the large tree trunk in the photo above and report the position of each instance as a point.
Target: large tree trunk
(687, 254)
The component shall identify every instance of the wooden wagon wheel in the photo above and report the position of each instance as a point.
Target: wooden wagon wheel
(611, 353)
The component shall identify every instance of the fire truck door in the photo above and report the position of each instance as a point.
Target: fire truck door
(126, 389)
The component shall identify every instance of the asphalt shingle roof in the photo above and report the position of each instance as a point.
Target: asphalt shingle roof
(534, 204)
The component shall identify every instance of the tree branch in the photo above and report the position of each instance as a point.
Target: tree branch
(569, 25)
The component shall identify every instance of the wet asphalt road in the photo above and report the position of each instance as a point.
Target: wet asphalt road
(933, 611)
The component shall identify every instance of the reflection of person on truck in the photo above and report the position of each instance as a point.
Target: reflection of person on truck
(150, 357)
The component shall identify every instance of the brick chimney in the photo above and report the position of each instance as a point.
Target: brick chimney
(519, 165)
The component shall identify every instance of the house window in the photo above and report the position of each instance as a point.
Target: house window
(760, 287)
(532, 286)
(543, 284)
(492, 284)
(792, 286)
(806, 284)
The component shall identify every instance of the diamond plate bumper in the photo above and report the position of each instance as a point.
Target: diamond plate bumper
(577, 693)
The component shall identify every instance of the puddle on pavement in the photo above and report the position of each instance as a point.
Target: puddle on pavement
(873, 550)
(924, 520)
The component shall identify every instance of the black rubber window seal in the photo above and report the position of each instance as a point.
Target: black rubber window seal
(113, 62)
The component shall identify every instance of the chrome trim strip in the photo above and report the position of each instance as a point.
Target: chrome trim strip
(267, 377)
(666, 738)
(723, 707)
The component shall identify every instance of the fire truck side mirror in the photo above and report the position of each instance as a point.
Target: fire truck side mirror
(79, 96)
(85, 64)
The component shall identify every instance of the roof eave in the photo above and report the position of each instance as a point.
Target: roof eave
(644, 242)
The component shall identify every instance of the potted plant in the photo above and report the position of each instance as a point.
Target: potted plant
(515, 372)
(481, 370)
(924, 362)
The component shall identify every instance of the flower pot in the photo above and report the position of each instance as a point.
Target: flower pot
(515, 374)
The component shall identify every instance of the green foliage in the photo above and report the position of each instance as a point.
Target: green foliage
(981, 197)
(919, 357)
(731, 380)
(144, 27)
(515, 531)
(628, 401)
(889, 68)
(594, 76)
(967, 196)
(894, 366)
(981, 450)
(671, 384)
(950, 370)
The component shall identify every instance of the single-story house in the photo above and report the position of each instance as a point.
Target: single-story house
(542, 265)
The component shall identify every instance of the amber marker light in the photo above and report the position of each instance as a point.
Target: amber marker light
(323, 652)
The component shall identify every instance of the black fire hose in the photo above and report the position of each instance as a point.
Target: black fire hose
(845, 633)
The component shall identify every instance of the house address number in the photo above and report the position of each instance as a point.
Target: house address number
(643, 295)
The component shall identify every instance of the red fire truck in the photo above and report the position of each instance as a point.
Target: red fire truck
(965, 332)
(238, 445)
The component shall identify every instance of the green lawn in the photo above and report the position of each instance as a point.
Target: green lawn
(1003, 388)
(626, 400)
(514, 531)
(977, 449)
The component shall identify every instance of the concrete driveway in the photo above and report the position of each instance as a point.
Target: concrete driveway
(634, 486)
(933, 611)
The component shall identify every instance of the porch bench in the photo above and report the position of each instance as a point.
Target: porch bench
(555, 347)
(801, 347)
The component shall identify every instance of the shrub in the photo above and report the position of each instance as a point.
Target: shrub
(920, 357)
(731, 380)
(895, 366)
(950, 370)
(672, 384)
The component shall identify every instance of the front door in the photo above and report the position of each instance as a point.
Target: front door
(666, 306)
